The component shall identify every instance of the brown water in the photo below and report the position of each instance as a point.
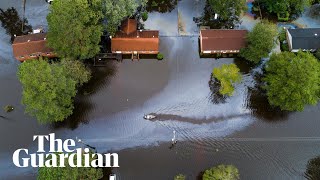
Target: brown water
(243, 130)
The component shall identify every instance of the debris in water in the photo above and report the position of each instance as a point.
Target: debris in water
(8, 108)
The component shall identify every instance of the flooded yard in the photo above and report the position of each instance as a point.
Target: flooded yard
(243, 130)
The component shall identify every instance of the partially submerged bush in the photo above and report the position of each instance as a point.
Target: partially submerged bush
(180, 177)
(144, 16)
(8, 108)
(227, 75)
(160, 56)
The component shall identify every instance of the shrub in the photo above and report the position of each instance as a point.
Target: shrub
(8, 108)
(160, 56)
(180, 177)
(229, 172)
(227, 75)
(144, 16)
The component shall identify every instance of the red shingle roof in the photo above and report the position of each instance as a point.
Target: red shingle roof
(222, 39)
(30, 44)
(130, 39)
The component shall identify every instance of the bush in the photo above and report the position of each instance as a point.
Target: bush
(144, 16)
(227, 75)
(283, 16)
(8, 108)
(229, 172)
(160, 56)
(180, 177)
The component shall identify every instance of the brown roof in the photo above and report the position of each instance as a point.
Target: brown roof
(30, 44)
(129, 26)
(131, 39)
(222, 39)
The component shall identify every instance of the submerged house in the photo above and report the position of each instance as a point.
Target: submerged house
(222, 41)
(306, 39)
(31, 46)
(129, 40)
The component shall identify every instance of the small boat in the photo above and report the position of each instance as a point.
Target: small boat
(149, 116)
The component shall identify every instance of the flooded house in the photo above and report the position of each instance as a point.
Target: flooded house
(305, 39)
(222, 41)
(130, 40)
(31, 46)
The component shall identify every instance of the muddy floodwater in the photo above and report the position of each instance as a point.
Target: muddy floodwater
(241, 130)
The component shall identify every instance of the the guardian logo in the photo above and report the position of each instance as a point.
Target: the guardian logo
(60, 153)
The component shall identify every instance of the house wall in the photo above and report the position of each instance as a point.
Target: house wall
(35, 56)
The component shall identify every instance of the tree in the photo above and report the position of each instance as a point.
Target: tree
(290, 6)
(75, 28)
(227, 8)
(313, 167)
(49, 89)
(260, 40)
(222, 172)
(76, 70)
(292, 80)
(117, 10)
(69, 173)
(227, 75)
(180, 177)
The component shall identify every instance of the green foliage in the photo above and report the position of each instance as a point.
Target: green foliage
(284, 16)
(116, 11)
(75, 28)
(222, 172)
(160, 56)
(180, 177)
(49, 89)
(76, 71)
(290, 6)
(283, 40)
(317, 54)
(292, 80)
(228, 8)
(8, 108)
(144, 16)
(313, 167)
(69, 173)
(261, 40)
(227, 75)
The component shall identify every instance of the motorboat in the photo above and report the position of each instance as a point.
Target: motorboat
(149, 116)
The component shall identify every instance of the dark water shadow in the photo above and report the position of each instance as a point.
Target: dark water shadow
(313, 169)
(215, 96)
(101, 76)
(257, 102)
(161, 6)
(12, 23)
(200, 175)
(106, 173)
(244, 65)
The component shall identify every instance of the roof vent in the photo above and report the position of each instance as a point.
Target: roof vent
(140, 30)
(137, 36)
(44, 38)
(316, 34)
